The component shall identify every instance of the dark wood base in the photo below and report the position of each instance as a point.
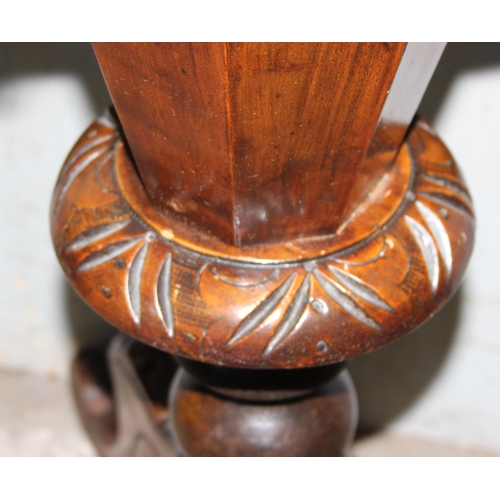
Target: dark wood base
(120, 392)
(316, 422)
(130, 406)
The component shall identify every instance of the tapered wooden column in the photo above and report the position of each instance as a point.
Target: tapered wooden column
(269, 208)
(264, 142)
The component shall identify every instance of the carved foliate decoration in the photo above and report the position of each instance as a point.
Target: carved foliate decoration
(395, 261)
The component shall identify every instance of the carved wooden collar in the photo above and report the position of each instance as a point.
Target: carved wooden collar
(309, 302)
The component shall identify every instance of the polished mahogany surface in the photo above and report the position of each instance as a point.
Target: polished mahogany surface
(263, 142)
(302, 303)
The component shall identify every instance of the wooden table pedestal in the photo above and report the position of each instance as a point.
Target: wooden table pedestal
(253, 215)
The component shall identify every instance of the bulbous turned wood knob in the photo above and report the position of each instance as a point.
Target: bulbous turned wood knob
(319, 422)
(395, 226)
(307, 302)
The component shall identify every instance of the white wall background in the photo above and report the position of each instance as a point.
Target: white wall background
(441, 382)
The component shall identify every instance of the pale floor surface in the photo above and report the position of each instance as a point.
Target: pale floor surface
(38, 418)
(388, 445)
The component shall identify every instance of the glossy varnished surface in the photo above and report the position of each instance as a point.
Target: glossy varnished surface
(172, 100)
(221, 304)
(302, 115)
(260, 142)
(130, 408)
(319, 423)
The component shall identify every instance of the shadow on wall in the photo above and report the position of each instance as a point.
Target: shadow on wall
(389, 380)
(25, 59)
(457, 58)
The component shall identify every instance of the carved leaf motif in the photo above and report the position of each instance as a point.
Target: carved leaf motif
(449, 202)
(164, 295)
(95, 234)
(84, 149)
(438, 230)
(289, 287)
(77, 170)
(292, 316)
(134, 282)
(455, 188)
(456, 198)
(428, 249)
(78, 162)
(262, 311)
(341, 298)
(357, 287)
(108, 253)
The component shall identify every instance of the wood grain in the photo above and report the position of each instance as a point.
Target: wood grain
(302, 116)
(263, 142)
(172, 103)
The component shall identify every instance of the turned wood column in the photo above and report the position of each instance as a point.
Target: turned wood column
(264, 142)
(263, 211)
